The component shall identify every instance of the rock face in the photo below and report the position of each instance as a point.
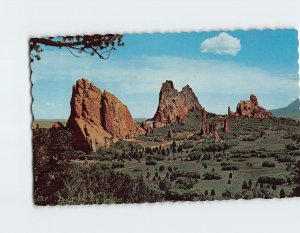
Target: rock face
(226, 127)
(216, 136)
(204, 124)
(96, 117)
(116, 118)
(251, 109)
(174, 105)
(147, 126)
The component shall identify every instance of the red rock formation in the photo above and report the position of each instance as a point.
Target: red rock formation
(96, 117)
(204, 124)
(85, 118)
(216, 136)
(212, 126)
(251, 109)
(34, 126)
(57, 125)
(116, 118)
(174, 106)
(226, 127)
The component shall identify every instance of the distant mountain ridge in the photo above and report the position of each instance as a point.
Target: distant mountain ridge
(292, 110)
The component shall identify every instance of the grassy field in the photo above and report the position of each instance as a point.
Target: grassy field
(250, 143)
(255, 159)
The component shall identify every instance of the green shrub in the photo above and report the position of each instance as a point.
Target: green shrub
(230, 167)
(184, 195)
(276, 180)
(185, 183)
(189, 174)
(151, 162)
(284, 158)
(194, 155)
(227, 194)
(117, 165)
(291, 146)
(268, 164)
(211, 176)
(165, 184)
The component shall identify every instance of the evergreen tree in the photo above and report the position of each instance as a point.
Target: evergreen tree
(212, 193)
(282, 193)
(245, 186)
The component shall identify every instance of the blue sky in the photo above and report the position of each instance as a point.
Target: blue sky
(222, 67)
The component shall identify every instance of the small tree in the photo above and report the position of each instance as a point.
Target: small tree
(167, 175)
(249, 184)
(230, 175)
(161, 168)
(244, 186)
(212, 193)
(206, 193)
(282, 193)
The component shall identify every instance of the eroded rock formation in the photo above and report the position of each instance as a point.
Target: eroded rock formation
(98, 117)
(251, 109)
(204, 124)
(226, 127)
(174, 105)
(116, 118)
(216, 136)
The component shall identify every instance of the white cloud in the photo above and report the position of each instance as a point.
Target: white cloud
(222, 44)
(50, 104)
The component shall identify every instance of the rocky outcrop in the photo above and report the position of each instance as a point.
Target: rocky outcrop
(116, 118)
(97, 117)
(204, 124)
(226, 127)
(174, 105)
(216, 136)
(251, 109)
(212, 126)
(147, 126)
(57, 125)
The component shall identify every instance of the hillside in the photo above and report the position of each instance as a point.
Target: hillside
(292, 110)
